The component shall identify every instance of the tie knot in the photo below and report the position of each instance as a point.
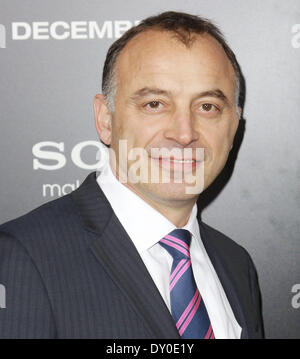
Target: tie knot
(177, 243)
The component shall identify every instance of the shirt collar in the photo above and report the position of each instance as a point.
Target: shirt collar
(144, 225)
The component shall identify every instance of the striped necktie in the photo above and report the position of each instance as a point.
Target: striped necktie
(187, 305)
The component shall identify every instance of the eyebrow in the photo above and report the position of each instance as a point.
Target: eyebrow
(217, 93)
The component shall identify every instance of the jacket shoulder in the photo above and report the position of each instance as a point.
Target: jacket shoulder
(43, 219)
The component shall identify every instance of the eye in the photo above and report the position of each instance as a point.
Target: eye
(153, 105)
(209, 107)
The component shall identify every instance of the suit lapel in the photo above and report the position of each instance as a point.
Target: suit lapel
(119, 257)
(117, 254)
(228, 278)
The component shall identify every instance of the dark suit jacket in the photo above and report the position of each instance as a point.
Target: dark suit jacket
(71, 271)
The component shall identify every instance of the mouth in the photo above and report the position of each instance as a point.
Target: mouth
(176, 164)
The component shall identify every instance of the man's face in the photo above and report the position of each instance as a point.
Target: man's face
(173, 96)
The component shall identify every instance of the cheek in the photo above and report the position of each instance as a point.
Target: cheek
(128, 128)
(121, 128)
(219, 140)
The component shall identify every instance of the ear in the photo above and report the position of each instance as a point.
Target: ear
(103, 119)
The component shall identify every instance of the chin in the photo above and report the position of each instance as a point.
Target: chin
(169, 191)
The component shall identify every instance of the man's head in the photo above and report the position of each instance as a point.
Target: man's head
(170, 82)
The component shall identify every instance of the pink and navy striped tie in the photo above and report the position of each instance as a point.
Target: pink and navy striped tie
(187, 305)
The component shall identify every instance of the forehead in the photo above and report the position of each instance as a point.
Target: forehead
(158, 58)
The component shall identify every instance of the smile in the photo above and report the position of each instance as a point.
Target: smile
(179, 161)
(176, 164)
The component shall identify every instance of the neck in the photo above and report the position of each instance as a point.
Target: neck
(178, 216)
(176, 211)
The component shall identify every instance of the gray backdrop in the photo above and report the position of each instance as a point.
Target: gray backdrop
(51, 59)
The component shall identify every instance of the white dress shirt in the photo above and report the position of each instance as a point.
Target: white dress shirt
(146, 226)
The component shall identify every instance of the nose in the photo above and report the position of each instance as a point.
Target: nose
(181, 129)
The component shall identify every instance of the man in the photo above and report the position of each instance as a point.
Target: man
(124, 256)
